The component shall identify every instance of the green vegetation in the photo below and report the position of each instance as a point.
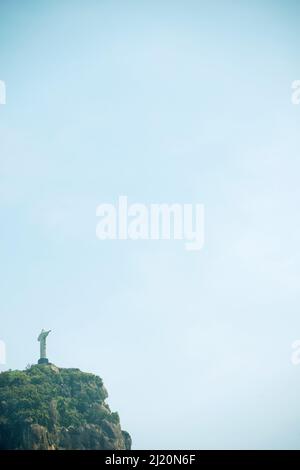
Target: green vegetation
(57, 400)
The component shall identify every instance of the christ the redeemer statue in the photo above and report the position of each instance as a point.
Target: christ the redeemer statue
(42, 339)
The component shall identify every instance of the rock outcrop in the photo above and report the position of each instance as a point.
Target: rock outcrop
(49, 408)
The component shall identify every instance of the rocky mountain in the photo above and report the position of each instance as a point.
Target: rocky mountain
(46, 407)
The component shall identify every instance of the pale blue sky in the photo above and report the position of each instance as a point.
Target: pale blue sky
(163, 101)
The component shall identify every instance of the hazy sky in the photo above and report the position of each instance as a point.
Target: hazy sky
(162, 101)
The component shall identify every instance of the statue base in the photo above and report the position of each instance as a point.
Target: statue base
(43, 360)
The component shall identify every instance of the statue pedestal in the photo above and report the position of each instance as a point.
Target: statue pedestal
(43, 360)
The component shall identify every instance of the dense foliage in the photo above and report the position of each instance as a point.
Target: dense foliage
(68, 397)
(53, 398)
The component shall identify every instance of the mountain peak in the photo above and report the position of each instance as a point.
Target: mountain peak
(47, 407)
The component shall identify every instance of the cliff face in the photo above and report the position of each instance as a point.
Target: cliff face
(45, 407)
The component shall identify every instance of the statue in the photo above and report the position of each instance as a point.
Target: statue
(42, 339)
